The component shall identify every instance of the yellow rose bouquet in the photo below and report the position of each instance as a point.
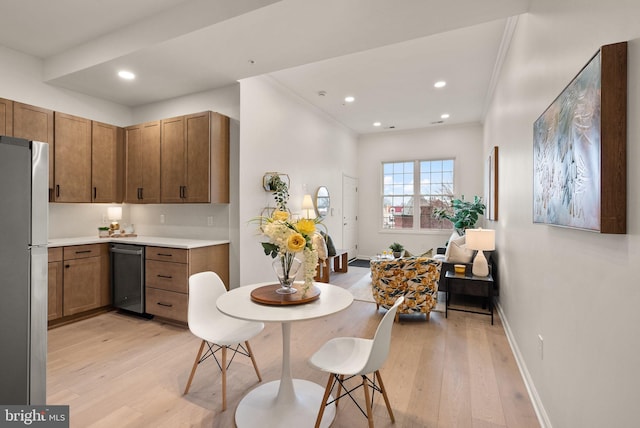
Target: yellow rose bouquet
(286, 239)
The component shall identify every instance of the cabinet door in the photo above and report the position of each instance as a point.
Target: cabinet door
(6, 117)
(142, 164)
(198, 156)
(106, 163)
(55, 290)
(219, 159)
(133, 164)
(82, 281)
(151, 157)
(72, 158)
(173, 160)
(35, 123)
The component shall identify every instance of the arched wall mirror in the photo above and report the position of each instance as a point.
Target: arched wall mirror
(323, 201)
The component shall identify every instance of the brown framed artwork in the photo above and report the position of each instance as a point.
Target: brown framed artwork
(491, 185)
(580, 146)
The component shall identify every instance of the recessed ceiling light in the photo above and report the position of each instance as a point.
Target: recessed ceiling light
(376, 124)
(126, 75)
(349, 99)
(440, 84)
(444, 116)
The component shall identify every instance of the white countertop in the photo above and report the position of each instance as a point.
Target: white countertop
(139, 240)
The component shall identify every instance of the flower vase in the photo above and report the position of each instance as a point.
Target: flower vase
(286, 267)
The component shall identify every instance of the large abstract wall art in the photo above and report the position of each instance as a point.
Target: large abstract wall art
(579, 149)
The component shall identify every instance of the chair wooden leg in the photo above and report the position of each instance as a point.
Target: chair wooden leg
(367, 399)
(384, 394)
(428, 316)
(224, 378)
(193, 369)
(253, 360)
(327, 391)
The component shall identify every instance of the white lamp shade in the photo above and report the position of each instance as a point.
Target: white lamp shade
(480, 239)
(114, 213)
(307, 202)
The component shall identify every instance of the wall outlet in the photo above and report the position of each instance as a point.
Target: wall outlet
(541, 346)
(161, 218)
(105, 220)
(210, 221)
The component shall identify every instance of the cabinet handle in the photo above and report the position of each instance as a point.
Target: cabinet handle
(164, 255)
(166, 305)
(57, 190)
(95, 192)
(83, 251)
(142, 193)
(165, 276)
(67, 266)
(139, 193)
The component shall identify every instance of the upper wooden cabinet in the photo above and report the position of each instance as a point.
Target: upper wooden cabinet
(35, 123)
(195, 159)
(107, 163)
(72, 156)
(142, 163)
(6, 117)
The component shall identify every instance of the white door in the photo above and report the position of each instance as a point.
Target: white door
(350, 215)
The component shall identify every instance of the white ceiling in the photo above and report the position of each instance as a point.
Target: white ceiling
(386, 53)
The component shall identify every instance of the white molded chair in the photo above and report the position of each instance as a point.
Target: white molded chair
(217, 330)
(352, 356)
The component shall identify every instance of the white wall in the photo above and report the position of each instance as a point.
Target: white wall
(579, 290)
(281, 132)
(461, 142)
(21, 80)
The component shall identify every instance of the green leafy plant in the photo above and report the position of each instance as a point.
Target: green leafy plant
(280, 191)
(396, 248)
(462, 214)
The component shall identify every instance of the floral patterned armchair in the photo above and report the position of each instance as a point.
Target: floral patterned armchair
(415, 278)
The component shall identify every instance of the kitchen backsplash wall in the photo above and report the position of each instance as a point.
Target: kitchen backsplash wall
(203, 221)
(199, 221)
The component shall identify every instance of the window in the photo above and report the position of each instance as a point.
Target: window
(411, 190)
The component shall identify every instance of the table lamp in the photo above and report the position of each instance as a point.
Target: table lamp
(307, 205)
(114, 214)
(481, 240)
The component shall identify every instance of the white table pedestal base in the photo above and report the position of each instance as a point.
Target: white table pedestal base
(260, 407)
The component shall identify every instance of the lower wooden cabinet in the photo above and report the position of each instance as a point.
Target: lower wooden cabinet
(55, 284)
(79, 279)
(167, 272)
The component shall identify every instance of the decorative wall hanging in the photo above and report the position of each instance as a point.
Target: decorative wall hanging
(267, 180)
(323, 201)
(579, 149)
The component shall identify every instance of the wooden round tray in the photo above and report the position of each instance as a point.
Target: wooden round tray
(267, 295)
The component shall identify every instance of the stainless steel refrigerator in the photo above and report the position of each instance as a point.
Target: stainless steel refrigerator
(24, 196)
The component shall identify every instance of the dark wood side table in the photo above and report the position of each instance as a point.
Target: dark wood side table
(469, 285)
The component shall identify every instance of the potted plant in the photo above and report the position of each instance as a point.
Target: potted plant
(462, 214)
(280, 191)
(398, 250)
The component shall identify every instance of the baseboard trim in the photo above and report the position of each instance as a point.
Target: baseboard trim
(541, 413)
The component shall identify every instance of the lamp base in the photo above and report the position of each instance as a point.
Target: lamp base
(480, 265)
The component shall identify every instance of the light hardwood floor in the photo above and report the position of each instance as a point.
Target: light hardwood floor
(116, 370)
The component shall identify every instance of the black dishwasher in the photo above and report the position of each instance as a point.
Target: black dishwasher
(127, 277)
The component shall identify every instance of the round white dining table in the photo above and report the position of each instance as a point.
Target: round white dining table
(286, 402)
